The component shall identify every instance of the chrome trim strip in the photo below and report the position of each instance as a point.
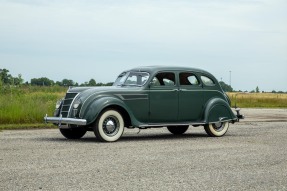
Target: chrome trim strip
(140, 96)
(171, 124)
(182, 124)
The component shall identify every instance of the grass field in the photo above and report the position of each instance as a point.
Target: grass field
(26, 106)
(258, 100)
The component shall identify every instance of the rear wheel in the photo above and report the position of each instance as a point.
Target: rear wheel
(73, 133)
(109, 126)
(177, 130)
(216, 129)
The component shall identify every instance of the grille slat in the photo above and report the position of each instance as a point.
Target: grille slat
(67, 103)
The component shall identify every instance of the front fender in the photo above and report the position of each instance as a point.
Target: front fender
(218, 110)
(91, 110)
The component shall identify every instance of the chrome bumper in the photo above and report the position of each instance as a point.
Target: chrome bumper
(60, 120)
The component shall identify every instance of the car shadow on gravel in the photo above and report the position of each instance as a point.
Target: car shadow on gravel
(63, 139)
(129, 138)
(156, 137)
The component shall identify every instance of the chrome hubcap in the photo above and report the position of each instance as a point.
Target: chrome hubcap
(111, 126)
(218, 126)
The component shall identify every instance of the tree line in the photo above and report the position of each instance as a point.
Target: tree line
(7, 79)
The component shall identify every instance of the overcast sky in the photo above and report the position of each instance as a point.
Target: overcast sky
(84, 39)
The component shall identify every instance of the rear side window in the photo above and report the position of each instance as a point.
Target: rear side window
(207, 81)
(187, 78)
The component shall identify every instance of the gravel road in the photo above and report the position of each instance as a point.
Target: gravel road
(251, 156)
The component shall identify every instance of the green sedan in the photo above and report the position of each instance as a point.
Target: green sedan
(146, 97)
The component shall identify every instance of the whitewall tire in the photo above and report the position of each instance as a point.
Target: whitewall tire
(216, 129)
(109, 126)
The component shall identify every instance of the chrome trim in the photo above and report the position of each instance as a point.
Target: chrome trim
(70, 109)
(170, 124)
(183, 124)
(60, 120)
(122, 96)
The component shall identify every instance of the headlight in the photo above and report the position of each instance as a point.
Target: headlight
(58, 104)
(76, 104)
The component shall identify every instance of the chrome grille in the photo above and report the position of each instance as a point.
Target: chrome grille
(67, 103)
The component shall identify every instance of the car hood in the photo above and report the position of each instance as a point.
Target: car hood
(86, 92)
(93, 89)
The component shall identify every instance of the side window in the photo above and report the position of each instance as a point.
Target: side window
(164, 79)
(187, 78)
(207, 81)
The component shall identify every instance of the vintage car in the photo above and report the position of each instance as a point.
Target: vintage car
(146, 97)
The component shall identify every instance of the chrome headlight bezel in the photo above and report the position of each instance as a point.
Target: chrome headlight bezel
(77, 103)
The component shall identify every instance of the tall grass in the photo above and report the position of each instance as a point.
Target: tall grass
(28, 104)
(258, 100)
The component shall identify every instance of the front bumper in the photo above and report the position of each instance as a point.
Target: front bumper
(60, 120)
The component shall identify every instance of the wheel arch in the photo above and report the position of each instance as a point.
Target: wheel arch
(122, 111)
(97, 106)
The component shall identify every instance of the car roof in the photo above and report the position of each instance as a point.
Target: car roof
(155, 69)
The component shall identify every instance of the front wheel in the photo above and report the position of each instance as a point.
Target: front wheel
(73, 133)
(109, 126)
(216, 129)
(177, 130)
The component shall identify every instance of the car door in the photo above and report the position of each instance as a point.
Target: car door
(163, 98)
(191, 97)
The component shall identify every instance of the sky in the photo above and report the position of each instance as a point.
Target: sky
(84, 39)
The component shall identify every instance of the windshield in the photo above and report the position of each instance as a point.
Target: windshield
(121, 79)
(132, 79)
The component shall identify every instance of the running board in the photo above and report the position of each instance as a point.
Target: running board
(169, 124)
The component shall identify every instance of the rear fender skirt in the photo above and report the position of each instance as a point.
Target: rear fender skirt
(218, 110)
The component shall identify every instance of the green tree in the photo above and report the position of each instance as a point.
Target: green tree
(42, 81)
(257, 89)
(109, 84)
(66, 82)
(92, 82)
(58, 83)
(225, 87)
(6, 78)
(18, 80)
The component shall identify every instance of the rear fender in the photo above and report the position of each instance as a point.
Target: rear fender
(218, 110)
